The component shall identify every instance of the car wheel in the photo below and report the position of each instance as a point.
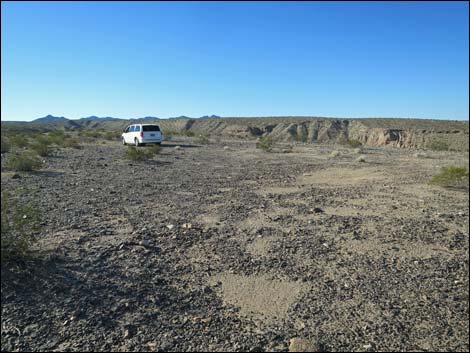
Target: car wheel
(123, 141)
(136, 142)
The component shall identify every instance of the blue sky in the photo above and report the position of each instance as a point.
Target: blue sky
(332, 59)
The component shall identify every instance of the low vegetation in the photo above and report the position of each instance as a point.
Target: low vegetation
(351, 143)
(110, 135)
(18, 141)
(5, 145)
(71, 143)
(19, 223)
(265, 143)
(439, 146)
(23, 162)
(451, 177)
(41, 148)
(142, 154)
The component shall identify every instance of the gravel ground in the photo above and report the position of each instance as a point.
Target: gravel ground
(224, 247)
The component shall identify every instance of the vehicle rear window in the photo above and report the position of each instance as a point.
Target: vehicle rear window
(151, 128)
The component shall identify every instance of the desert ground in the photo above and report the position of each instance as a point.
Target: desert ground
(225, 247)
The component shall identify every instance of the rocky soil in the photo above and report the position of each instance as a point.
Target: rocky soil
(219, 248)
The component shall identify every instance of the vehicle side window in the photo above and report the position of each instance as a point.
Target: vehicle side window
(127, 129)
(137, 128)
(132, 128)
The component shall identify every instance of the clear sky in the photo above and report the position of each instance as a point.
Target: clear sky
(137, 59)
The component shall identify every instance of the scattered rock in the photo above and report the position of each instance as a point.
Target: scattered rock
(170, 226)
(144, 242)
(302, 345)
(361, 159)
(31, 330)
(335, 154)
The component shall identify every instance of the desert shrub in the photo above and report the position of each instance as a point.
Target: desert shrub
(350, 142)
(19, 222)
(43, 139)
(89, 135)
(5, 145)
(110, 136)
(189, 133)
(18, 141)
(56, 137)
(42, 149)
(71, 143)
(23, 162)
(265, 143)
(203, 139)
(169, 135)
(439, 146)
(140, 154)
(452, 177)
(153, 149)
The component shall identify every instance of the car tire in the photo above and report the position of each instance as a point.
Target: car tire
(136, 142)
(123, 142)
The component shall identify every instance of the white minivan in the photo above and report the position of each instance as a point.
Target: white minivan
(140, 134)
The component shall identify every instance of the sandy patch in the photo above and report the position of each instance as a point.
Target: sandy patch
(259, 296)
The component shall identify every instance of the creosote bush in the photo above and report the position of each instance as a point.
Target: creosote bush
(18, 141)
(19, 222)
(71, 143)
(141, 154)
(439, 146)
(42, 149)
(451, 177)
(265, 143)
(23, 162)
(5, 145)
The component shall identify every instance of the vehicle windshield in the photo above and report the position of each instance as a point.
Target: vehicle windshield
(151, 128)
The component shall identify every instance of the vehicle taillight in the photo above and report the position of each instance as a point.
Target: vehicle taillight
(141, 134)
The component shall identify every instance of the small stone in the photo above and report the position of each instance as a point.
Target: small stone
(187, 225)
(361, 159)
(170, 226)
(302, 345)
(31, 330)
(129, 331)
(16, 176)
(144, 242)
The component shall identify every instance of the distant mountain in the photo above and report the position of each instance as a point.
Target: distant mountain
(93, 117)
(148, 118)
(181, 117)
(210, 117)
(50, 118)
